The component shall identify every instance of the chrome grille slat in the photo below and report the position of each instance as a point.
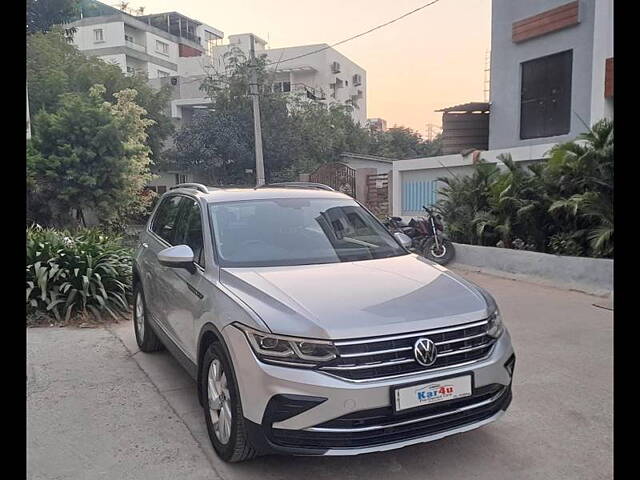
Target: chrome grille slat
(376, 352)
(391, 356)
(370, 365)
(410, 335)
(461, 339)
(465, 350)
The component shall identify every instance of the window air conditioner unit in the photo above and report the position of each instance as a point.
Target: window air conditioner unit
(335, 67)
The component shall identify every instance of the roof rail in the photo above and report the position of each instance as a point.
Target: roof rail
(320, 186)
(196, 186)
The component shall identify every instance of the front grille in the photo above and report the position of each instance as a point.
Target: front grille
(380, 426)
(381, 357)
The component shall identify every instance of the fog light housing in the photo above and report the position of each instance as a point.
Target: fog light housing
(510, 364)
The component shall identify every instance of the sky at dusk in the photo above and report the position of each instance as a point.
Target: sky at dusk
(432, 59)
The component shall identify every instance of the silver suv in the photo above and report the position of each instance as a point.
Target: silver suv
(309, 328)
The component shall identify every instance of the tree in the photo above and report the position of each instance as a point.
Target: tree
(89, 154)
(55, 67)
(42, 15)
(402, 143)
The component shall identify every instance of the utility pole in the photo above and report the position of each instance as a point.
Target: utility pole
(257, 129)
(487, 75)
(28, 118)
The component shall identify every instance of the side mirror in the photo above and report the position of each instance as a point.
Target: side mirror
(403, 239)
(180, 256)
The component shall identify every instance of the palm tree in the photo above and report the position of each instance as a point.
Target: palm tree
(581, 176)
(464, 198)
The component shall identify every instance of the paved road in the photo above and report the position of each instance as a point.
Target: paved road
(98, 408)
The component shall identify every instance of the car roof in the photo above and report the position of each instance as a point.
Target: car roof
(216, 194)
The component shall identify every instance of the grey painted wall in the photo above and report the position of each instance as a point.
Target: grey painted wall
(506, 57)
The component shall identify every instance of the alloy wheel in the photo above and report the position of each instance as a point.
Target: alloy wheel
(140, 316)
(219, 401)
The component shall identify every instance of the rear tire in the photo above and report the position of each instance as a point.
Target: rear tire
(146, 338)
(222, 407)
(442, 255)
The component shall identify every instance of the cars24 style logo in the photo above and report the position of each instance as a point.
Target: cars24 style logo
(435, 391)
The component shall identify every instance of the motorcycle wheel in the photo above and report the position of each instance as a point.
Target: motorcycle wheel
(442, 255)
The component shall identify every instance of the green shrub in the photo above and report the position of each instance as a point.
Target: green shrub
(562, 206)
(565, 244)
(76, 273)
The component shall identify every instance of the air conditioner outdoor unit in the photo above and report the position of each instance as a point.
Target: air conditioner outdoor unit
(335, 67)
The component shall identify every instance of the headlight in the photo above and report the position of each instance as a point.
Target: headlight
(495, 326)
(297, 352)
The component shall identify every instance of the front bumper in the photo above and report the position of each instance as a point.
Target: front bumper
(307, 412)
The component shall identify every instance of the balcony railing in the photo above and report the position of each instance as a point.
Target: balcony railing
(135, 46)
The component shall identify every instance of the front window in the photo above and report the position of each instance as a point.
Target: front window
(297, 231)
(98, 35)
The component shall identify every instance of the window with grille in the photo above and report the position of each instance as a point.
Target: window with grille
(545, 107)
(162, 47)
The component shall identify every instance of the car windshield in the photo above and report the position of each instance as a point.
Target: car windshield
(297, 231)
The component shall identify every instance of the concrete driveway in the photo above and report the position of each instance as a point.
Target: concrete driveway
(99, 408)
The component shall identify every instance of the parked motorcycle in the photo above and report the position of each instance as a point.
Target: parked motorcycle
(427, 236)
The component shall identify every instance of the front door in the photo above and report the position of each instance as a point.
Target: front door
(187, 297)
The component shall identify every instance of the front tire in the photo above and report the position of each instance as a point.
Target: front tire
(222, 408)
(146, 338)
(442, 253)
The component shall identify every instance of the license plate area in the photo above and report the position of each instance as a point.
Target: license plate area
(422, 394)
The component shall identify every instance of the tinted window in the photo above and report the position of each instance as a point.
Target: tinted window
(545, 108)
(297, 231)
(189, 229)
(164, 222)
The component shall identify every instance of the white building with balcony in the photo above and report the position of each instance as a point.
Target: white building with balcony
(151, 45)
(321, 72)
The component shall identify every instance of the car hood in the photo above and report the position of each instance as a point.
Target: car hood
(356, 299)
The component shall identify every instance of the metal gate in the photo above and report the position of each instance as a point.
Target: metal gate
(339, 176)
(378, 194)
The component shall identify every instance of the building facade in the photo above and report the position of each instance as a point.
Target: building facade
(321, 72)
(549, 61)
(151, 45)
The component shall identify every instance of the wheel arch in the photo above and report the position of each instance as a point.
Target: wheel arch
(208, 334)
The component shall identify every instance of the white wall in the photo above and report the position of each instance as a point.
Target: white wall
(151, 48)
(113, 34)
(431, 168)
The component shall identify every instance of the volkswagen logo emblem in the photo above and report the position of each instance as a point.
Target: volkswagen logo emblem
(425, 352)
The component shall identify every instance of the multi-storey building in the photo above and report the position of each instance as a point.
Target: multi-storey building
(172, 49)
(151, 45)
(319, 71)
